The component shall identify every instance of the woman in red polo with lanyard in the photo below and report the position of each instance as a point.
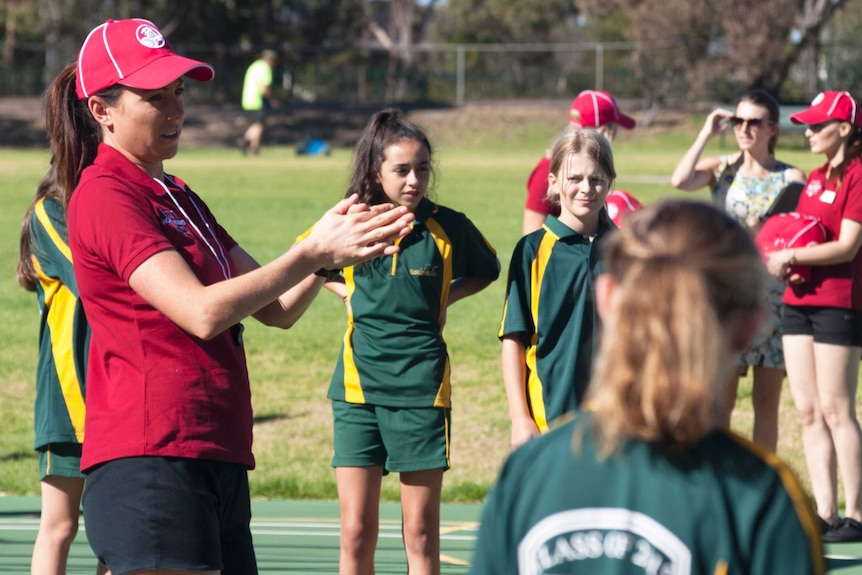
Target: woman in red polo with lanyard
(164, 286)
(823, 315)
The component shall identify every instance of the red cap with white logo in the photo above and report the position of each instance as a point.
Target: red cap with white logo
(828, 106)
(787, 231)
(133, 53)
(594, 108)
(619, 204)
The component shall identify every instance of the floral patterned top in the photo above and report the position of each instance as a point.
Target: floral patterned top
(744, 197)
(747, 196)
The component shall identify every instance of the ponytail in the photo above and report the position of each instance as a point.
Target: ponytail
(658, 378)
(684, 273)
(26, 273)
(73, 133)
(73, 136)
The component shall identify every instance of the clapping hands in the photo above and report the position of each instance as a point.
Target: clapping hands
(352, 232)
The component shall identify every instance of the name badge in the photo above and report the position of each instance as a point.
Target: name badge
(827, 197)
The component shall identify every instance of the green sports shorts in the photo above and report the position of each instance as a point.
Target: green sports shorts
(398, 438)
(60, 460)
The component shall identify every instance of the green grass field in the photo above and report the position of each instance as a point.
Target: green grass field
(265, 202)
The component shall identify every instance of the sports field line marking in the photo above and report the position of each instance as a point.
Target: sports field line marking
(275, 526)
(287, 529)
(462, 526)
(290, 533)
(389, 529)
(19, 524)
(327, 520)
(314, 525)
(445, 526)
(454, 561)
(306, 519)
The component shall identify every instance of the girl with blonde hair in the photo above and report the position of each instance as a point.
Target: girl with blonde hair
(646, 475)
(549, 319)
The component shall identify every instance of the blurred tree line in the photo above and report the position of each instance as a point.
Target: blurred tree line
(403, 50)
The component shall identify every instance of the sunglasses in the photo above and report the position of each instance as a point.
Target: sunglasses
(738, 122)
(815, 128)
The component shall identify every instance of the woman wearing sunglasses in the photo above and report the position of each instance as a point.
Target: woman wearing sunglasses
(823, 315)
(744, 184)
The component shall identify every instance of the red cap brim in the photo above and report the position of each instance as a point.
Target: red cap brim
(161, 72)
(626, 122)
(809, 116)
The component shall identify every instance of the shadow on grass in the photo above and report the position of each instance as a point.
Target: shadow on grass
(269, 417)
(18, 456)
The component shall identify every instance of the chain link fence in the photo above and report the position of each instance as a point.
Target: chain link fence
(453, 74)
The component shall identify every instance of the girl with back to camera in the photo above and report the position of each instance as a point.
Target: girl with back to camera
(823, 315)
(646, 478)
(391, 388)
(549, 319)
(745, 184)
(45, 267)
(165, 287)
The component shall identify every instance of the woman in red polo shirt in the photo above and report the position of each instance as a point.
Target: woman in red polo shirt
(164, 286)
(823, 315)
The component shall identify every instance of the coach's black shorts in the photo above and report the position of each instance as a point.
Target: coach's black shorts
(170, 513)
(837, 326)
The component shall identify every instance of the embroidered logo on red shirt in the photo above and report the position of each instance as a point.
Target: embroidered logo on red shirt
(169, 218)
(813, 188)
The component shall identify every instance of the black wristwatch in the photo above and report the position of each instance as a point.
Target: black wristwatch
(328, 275)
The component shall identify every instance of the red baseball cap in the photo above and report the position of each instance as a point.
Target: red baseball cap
(829, 106)
(594, 108)
(790, 230)
(619, 204)
(133, 53)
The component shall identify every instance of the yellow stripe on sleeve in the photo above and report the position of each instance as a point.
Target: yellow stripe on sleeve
(804, 511)
(61, 319)
(61, 304)
(43, 218)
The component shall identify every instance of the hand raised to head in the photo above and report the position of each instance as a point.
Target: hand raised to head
(717, 121)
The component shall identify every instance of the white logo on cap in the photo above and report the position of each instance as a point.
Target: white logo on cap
(818, 98)
(149, 36)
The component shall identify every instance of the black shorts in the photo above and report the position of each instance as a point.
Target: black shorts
(837, 326)
(259, 116)
(170, 513)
